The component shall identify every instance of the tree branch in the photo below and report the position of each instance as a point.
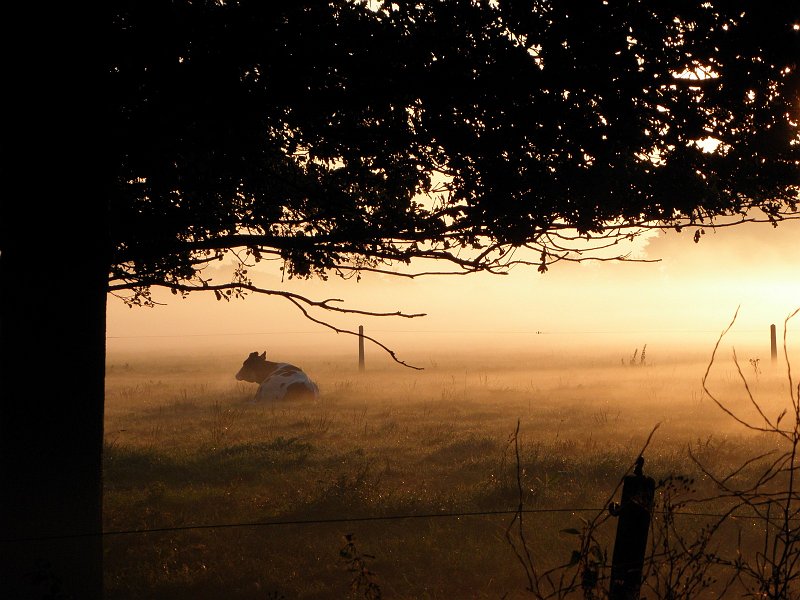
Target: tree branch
(297, 299)
(349, 332)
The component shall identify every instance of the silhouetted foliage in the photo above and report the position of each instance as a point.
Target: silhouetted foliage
(350, 135)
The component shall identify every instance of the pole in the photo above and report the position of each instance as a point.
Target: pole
(630, 544)
(773, 344)
(361, 348)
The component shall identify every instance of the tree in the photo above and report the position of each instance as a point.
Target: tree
(352, 136)
(342, 138)
(54, 261)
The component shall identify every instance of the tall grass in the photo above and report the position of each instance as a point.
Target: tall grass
(186, 448)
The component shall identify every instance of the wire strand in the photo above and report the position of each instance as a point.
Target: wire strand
(334, 520)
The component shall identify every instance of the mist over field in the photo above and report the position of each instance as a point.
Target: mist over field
(212, 494)
(418, 467)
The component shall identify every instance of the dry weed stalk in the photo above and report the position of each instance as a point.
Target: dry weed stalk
(364, 582)
(772, 498)
(683, 562)
(587, 570)
(681, 559)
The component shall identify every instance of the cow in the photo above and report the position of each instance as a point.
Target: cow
(277, 381)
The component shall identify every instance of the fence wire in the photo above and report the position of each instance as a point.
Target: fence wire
(334, 520)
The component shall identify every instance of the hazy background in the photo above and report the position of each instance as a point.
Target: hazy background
(677, 306)
(183, 437)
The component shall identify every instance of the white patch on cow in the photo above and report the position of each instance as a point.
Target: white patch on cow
(276, 385)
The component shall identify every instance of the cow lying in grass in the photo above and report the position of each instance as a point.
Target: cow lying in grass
(277, 381)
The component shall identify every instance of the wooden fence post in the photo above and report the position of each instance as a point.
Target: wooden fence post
(773, 344)
(361, 348)
(630, 544)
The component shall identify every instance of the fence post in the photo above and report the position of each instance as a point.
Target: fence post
(773, 344)
(361, 348)
(630, 544)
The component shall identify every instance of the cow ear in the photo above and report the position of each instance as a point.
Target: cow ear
(263, 355)
(252, 354)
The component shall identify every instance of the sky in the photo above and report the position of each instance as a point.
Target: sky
(682, 301)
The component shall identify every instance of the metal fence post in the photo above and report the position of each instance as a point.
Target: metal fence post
(633, 526)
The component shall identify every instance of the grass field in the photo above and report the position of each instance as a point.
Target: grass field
(394, 458)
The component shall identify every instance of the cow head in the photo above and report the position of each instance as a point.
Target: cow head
(254, 368)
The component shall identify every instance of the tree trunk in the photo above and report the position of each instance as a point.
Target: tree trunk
(53, 282)
(51, 423)
(52, 323)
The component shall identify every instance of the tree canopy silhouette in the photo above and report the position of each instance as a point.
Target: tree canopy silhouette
(340, 137)
(349, 136)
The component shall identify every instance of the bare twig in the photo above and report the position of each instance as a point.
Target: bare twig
(771, 573)
(523, 555)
